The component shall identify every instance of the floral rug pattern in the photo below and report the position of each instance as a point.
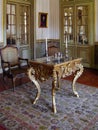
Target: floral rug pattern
(18, 113)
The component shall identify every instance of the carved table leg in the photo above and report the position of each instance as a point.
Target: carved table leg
(58, 81)
(31, 73)
(54, 85)
(78, 74)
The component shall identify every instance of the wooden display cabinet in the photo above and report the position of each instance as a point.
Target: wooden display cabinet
(77, 29)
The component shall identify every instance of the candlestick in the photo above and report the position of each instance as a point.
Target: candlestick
(66, 47)
(66, 42)
(46, 44)
(46, 48)
(48, 59)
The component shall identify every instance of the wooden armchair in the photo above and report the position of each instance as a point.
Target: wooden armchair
(52, 50)
(11, 64)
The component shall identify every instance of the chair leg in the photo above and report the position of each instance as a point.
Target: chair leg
(3, 78)
(13, 84)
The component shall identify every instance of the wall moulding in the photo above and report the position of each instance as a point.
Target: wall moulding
(49, 40)
(74, 1)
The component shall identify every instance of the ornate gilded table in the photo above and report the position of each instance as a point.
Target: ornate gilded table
(41, 69)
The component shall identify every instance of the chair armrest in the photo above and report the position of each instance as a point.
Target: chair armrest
(7, 65)
(24, 59)
(5, 62)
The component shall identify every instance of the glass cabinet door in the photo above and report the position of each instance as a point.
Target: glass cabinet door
(24, 24)
(76, 30)
(82, 24)
(68, 25)
(11, 24)
(18, 24)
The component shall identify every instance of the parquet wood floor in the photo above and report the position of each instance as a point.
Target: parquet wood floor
(89, 77)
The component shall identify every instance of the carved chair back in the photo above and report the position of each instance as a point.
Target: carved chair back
(52, 50)
(10, 54)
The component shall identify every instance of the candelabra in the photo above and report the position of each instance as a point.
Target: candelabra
(66, 47)
(66, 53)
(48, 59)
(46, 53)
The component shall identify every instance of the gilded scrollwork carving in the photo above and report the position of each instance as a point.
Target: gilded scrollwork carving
(43, 71)
(78, 74)
(54, 85)
(31, 74)
(69, 69)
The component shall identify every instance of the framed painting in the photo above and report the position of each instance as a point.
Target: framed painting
(43, 20)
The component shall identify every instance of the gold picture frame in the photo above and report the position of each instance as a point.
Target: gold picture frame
(43, 20)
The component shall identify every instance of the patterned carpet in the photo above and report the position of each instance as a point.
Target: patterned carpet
(18, 113)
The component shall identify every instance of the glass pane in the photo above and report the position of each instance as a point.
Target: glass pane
(13, 30)
(82, 24)
(11, 24)
(82, 10)
(24, 20)
(85, 10)
(8, 31)
(11, 19)
(24, 38)
(65, 29)
(84, 20)
(11, 40)
(8, 19)
(24, 26)
(68, 24)
(69, 29)
(8, 8)
(82, 17)
(70, 21)
(82, 32)
(22, 29)
(68, 11)
(13, 9)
